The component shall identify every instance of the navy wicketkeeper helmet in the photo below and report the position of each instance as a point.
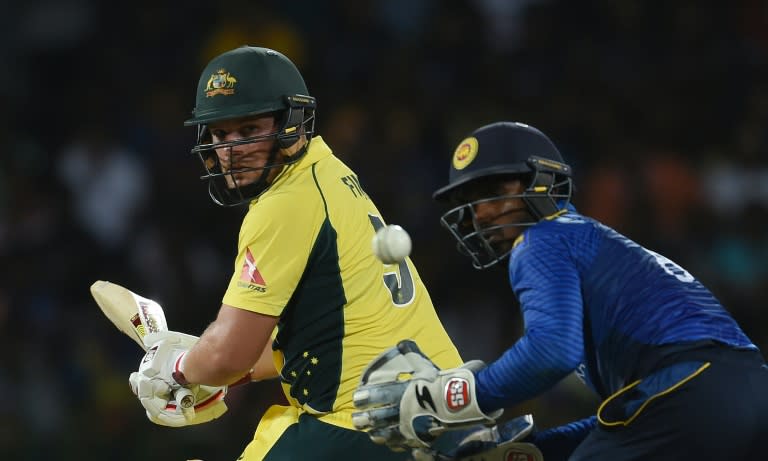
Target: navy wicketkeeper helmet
(503, 150)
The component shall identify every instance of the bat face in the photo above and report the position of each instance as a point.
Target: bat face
(137, 316)
(130, 313)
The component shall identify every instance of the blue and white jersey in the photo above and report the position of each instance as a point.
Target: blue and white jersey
(594, 300)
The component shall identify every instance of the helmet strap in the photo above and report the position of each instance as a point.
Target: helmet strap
(296, 150)
(537, 196)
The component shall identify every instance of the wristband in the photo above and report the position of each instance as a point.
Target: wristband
(178, 373)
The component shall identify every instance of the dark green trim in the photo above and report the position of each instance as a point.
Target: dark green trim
(315, 440)
(319, 189)
(311, 327)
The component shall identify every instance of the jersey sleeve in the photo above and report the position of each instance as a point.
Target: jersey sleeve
(560, 442)
(275, 241)
(547, 285)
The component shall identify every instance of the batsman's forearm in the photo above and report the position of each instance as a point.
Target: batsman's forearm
(229, 348)
(264, 368)
(204, 364)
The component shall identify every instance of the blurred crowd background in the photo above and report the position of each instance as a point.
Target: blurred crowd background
(661, 107)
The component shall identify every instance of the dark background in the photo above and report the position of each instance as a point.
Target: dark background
(661, 107)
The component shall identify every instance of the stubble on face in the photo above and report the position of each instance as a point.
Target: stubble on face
(251, 157)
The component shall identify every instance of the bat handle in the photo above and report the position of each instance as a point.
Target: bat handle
(186, 401)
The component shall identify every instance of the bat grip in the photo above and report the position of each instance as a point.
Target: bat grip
(185, 399)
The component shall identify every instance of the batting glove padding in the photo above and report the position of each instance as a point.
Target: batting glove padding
(154, 384)
(406, 401)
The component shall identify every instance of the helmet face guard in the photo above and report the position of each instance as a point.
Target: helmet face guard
(246, 82)
(490, 155)
(298, 125)
(546, 194)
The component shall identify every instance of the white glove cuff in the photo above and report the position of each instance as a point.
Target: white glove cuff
(178, 370)
(461, 399)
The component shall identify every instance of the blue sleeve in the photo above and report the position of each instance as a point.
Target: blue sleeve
(546, 282)
(558, 443)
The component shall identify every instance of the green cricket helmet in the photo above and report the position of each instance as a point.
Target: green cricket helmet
(498, 152)
(249, 81)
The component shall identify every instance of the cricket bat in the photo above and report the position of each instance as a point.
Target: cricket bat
(137, 316)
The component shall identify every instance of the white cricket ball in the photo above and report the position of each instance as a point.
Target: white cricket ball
(391, 244)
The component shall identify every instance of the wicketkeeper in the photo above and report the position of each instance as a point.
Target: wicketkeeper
(678, 378)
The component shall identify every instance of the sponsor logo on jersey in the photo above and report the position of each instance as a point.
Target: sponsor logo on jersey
(222, 82)
(250, 273)
(581, 372)
(465, 153)
(457, 394)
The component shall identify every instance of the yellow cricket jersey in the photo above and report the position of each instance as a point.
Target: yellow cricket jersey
(304, 255)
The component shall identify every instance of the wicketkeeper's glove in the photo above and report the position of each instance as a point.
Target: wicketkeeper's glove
(154, 383)
(406, 401)
(503, 442)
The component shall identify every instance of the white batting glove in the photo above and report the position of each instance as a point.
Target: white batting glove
(154, 384)
(165, 350)
(412, 413)
(153, 394)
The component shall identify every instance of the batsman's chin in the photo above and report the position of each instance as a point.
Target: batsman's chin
(237, 180)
